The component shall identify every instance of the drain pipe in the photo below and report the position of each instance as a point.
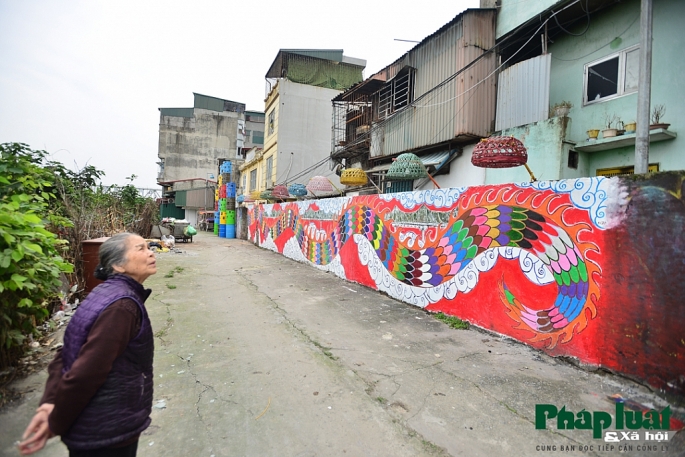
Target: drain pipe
(644, 89)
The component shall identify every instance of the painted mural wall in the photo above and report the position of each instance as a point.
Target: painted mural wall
(590, 268)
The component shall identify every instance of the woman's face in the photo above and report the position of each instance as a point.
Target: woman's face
(140, 260)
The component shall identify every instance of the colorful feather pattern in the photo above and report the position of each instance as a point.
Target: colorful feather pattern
(473, 232)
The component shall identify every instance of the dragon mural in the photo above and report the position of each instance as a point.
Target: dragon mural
(426, 249)
(589, 268)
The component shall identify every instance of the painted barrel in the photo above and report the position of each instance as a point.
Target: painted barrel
(230, 217)
(216, 228)
(230, 230)
(230, 204)
(222, 231)
(222, 217)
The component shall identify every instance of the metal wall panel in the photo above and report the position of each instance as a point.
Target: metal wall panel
(523, 93)
(199, 198)
(463, 107)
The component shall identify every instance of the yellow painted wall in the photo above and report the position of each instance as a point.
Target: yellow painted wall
(271, 105)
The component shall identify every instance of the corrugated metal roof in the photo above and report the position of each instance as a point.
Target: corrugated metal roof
(177, 112)
(328, 54)
(382, 167)
(435, 158)
(217, 104)
(432, 159)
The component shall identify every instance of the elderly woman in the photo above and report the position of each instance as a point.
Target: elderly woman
(98, 396)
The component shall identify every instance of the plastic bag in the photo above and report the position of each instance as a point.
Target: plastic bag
(189, 231)
(168, 241)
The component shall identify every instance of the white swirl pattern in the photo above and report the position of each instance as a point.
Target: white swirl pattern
(600, 196)
(439, 198)
(465, 281)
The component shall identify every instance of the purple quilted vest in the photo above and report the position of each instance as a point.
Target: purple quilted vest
(121, 407)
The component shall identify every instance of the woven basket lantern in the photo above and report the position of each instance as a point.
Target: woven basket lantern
(319, 184)
(266, 195)
(254, 195)
(240, 198)
(499, 152)
(353, 177)
(297, 189)
(407, 166)
(280, 191)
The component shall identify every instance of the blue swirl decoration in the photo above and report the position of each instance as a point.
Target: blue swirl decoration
(590, 194)
(439, 198)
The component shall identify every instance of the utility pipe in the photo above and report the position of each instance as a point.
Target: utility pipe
(644, 89)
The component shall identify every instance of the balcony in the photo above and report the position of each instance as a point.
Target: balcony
(622, 141)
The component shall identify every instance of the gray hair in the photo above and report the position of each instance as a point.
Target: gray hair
(112, 252)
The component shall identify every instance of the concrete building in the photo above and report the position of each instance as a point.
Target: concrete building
(590, 59)
(254, 131)
(300, 86)
(435, 101)
(192, 144)
(438, 99)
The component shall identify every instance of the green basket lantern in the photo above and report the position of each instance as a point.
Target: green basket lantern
(407, 167)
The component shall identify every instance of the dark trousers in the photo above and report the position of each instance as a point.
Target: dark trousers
(126, 451)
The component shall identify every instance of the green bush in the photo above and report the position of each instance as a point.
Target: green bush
(30, 260)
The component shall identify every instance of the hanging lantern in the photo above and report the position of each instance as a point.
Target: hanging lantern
(280, 192)
(266, 195)
(319, 184)
(240, 198)
(499, 152)
(353, 177)
(297, 189)
(407, 166)
(255, 195)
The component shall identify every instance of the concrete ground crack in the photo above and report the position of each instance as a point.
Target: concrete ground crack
(323, 349)
(169, 322)
(505, 405)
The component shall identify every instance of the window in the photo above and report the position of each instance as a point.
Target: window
(269, 171)
(612, 76)
(272, 120)
(396, 93)
(257, 137)
(244, 183)
(253, 180)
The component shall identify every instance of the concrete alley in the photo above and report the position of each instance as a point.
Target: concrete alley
(258, 355)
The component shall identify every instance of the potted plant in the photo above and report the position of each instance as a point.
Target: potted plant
(630, 127)
(609, 131)
(592, 134)
(658, 113)
(562, 108)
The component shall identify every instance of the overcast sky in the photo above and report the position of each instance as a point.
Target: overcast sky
(83, 79)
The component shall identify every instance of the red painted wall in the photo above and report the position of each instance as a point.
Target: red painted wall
(592, 268)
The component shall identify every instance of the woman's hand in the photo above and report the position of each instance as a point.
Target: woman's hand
(38, 432)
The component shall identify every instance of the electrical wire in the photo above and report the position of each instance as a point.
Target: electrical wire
(587, 26)
(600, 48)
